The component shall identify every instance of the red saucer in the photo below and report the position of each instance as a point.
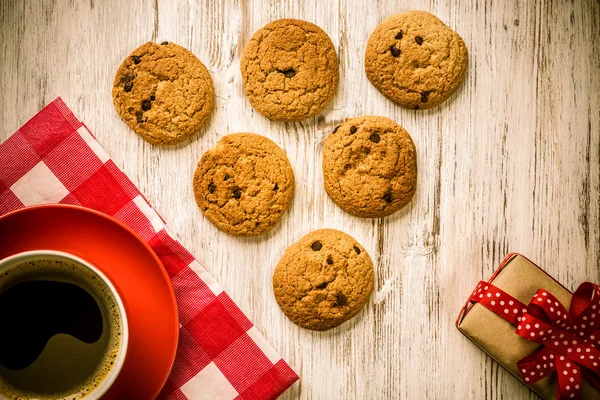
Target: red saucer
(132, 267)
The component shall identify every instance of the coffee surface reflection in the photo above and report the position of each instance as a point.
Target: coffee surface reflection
(35, 311)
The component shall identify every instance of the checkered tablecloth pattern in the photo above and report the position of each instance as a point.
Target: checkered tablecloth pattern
(54, 158)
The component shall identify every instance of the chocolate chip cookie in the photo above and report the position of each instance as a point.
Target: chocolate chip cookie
(370, 166)
(323, 280)
(290, 70)
(415, 60)
(163, 92)
(244, 185)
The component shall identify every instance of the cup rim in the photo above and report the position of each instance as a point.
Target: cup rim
(101, 389)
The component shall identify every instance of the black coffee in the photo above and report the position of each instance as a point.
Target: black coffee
(60, 330)
(38, 310)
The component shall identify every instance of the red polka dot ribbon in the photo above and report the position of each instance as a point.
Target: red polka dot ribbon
(570, 339)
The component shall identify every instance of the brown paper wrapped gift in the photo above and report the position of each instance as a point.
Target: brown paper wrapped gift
(496, 336)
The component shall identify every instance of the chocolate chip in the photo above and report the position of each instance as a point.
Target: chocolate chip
(146, 105)
(329, 260)
(139, 115)
(164, 43)
(335, 129)
(128, 86)
(276, 187)
(211, 187)
(356, 249)
(322, 285)
(152, 98)
(341, 299)
(136, 59)
(316, 246)
(399, 35)
(395, 51)
(353, 129)
(289, 73)
(128, 77)
(237, 193)
(419, 40)
(226, 176)
(425, 96)
(388, 197)
(374, 138)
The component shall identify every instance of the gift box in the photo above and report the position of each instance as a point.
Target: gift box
(544, 335)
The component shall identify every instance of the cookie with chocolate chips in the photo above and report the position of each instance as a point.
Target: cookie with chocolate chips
(370, 166)
(415, 60)
(323, 280)
(290, 70)
(244, 185)
(163, 92)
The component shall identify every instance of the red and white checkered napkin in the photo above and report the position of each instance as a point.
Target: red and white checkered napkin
(54, 158)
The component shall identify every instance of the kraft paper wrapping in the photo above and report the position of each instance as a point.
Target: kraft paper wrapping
(496, 336)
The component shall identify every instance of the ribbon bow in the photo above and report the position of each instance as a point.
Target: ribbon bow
(570, 339)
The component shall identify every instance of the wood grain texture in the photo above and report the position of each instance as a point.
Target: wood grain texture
(510, 163)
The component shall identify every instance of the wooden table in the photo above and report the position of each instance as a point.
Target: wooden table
(510, 163)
